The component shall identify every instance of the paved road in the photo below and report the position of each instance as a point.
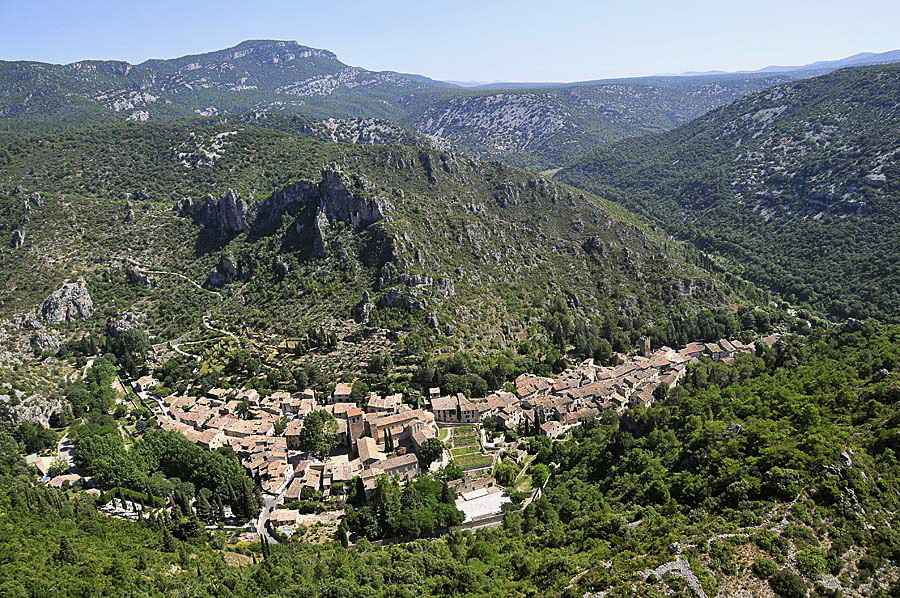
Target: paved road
(261, 523)
(64, 449)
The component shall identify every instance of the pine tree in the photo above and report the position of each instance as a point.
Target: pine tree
(169, 544)
(220, 509)
(359, 498)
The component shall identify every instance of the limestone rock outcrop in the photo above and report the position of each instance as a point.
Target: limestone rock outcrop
(136, 276)
(228, 270)
(362, 311)
(226, 216)
(347, 199)
(42, 341)
(116, 327)
(69, 302)
(337, 197)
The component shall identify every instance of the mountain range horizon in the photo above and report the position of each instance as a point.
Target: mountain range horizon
(858, 59)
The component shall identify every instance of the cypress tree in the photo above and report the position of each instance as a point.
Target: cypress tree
(448, 496)
(343, 536)
(65, 553)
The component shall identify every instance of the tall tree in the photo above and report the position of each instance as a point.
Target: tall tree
(432, 450)
(319, 434)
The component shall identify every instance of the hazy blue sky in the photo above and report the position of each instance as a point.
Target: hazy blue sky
(521, 40)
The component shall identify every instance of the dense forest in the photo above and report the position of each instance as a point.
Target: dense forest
(779, 469)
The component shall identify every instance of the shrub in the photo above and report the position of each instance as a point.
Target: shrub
(811, 562)
(772, 543)
(722, 558)
(763, 568)
(787, 584)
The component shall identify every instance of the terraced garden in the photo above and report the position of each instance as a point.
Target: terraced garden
(466, 449)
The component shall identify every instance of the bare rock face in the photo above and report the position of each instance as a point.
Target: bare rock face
(68, 303)
(184, 207)
(345, 199)
(506, 194)
(226, 216)
(232, 213)
(338, 197)
(18, 239)
(116, 327)
(42, 341)
(226, 271)
(136, 276)
(30, 322)
(428, 165)
(320, 224)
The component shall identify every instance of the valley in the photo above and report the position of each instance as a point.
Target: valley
(271, 324)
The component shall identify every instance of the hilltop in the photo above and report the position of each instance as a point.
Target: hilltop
(283, 75)
(795, 187)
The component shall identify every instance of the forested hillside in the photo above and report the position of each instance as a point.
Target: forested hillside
(795, 187)
(276, 326)
(429, 239)
(776, 473)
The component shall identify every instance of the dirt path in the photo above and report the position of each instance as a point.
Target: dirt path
(178, 274)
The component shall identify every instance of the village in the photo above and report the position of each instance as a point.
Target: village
(384, 436)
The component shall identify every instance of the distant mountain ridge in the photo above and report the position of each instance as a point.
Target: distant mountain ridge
(861, 59)
(539, 125)
(820, 66)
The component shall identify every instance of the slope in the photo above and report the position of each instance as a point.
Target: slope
(287, 233)
(252, 75)
(795, 187)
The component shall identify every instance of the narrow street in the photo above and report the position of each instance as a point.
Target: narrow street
(261, 522)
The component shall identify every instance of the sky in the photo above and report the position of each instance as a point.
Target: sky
(465, 40)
